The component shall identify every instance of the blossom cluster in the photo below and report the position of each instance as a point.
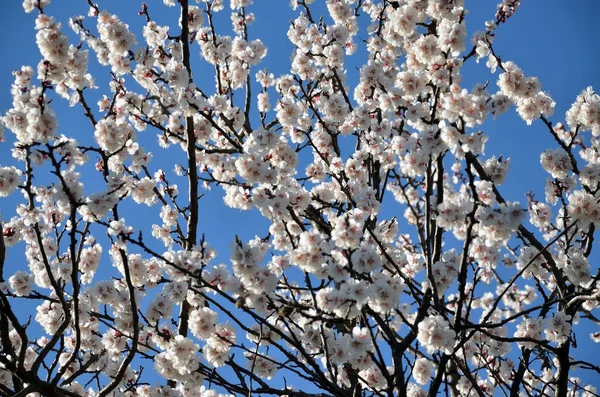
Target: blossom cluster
(387, 259)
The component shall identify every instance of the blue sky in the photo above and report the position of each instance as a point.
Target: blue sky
(547, 39)
(552, 39)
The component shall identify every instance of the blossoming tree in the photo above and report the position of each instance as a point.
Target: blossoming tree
(462, 293)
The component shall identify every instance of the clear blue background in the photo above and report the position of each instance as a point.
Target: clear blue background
(555, 40)
(549, 39)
